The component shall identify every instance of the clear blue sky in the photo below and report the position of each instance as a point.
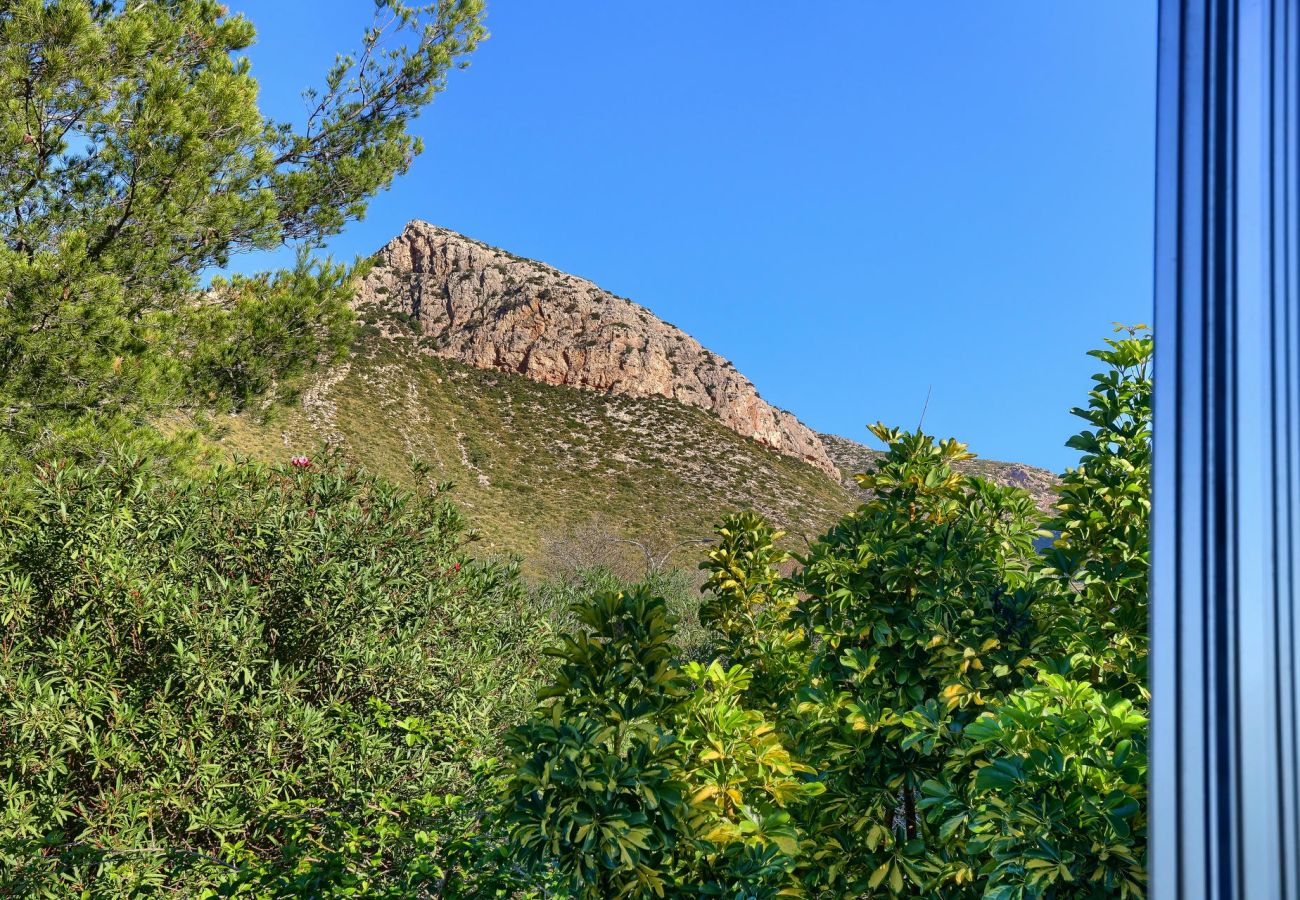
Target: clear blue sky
(852, 200)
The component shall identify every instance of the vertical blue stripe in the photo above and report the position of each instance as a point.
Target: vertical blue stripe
(1226, 530)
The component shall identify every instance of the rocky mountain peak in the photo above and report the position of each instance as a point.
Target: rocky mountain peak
(493, 310)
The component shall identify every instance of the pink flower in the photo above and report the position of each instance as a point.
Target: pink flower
(300, 462)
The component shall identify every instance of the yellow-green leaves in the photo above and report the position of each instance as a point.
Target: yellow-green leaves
(661, 764)
(920, 602)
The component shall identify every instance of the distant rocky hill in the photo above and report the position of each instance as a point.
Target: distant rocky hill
(491, 309)
(852, 457)
(568, 418)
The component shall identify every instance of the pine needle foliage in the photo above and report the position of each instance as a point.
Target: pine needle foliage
(134, 161)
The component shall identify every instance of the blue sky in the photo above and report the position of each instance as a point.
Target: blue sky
(856, 201)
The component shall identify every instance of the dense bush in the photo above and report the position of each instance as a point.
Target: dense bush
(972, 714)
(269, 676)
(920, 603)
(639, 775)
(1057, 805)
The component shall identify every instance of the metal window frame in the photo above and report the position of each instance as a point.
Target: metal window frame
(1225, 632)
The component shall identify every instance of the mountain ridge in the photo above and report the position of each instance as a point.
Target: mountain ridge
(545, 469)
(488, 308)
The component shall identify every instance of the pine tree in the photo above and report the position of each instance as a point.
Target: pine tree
(134, 160)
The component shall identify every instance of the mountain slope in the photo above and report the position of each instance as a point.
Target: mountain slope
(539, 465)
(569, 418)
(491, 309)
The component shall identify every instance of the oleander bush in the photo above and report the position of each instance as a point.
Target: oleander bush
(258, 678)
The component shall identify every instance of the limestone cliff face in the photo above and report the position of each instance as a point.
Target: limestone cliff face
(493, 310)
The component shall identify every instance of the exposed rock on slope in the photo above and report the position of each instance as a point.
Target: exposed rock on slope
(493, 310)
(566, 417)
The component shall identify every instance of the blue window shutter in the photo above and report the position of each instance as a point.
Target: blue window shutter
(1226, 532)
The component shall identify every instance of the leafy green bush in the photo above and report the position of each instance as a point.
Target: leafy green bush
(920, 605)
(972, 714)
(594, 788)
(262, 676)
(1102, 556)
(640, 776)
(1057, 805)
(557, 595)
(749, 608)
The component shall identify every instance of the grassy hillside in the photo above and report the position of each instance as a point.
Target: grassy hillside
(544, 471)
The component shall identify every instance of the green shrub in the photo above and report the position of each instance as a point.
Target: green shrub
(919, 603)
(557, 595)
(749, 609)
(260, 675)
(1102, 557)
(639, 776)
(972, 714)
(1057, 804)
(594, 791)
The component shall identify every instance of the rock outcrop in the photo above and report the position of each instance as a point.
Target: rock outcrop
(490, 309)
